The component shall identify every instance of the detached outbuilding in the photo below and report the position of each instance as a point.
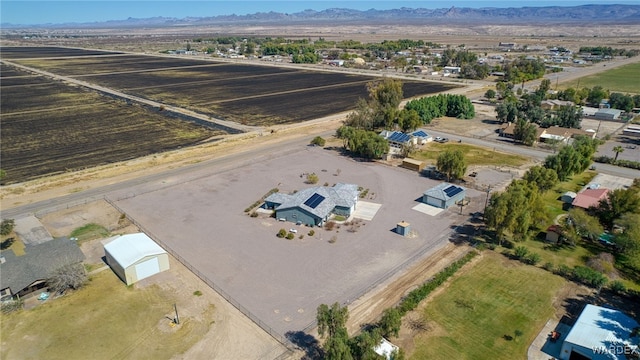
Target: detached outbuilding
(134, 257)
(444, 195)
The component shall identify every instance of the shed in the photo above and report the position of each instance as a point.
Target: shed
(608, 114)
(134, 257)
(386, 348)
(568, 197)
(553, 234)
(444, 195)
(413, 164)
(600, 333)
(403, 228)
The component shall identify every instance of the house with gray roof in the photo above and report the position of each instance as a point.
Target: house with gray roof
(25, 274)
(443, 195)
(314, 206)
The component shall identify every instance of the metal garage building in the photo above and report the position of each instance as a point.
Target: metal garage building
(134, 257)
(444, 195)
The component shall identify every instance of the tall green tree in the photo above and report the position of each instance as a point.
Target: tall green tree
(584, 225)
(617, 203)
(565, 163)
(409, 120)
(525, 132)
(543, 178)
(385, 97)
(332, 322)
(452, 163)
(390, 322)
(628, 241)
(507, 111)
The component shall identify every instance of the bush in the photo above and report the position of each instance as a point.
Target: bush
(312, 178)
(6, 226)
(318, 140)
(311, 233)
(71, 276)
(617, 286)
(588, 276)
(12, 305)
(532, 258)
(290, 236)
(520, 252)
(254, 214)
(563, 270)
(282, 233)
(412, 299)
(330, 225)
(197, 293)
(548, 266)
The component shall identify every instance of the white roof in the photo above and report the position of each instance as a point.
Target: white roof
(599, 327)
(128, 249)
(385, 348)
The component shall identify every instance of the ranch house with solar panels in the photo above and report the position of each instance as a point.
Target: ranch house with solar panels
(444, 195)
(315, 205)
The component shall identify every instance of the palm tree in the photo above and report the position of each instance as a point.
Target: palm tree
(618, 149)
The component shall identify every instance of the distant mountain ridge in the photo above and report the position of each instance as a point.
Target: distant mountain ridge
(592, 13)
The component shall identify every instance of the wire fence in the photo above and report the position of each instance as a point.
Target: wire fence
(276, 335)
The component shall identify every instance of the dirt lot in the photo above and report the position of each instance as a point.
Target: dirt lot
(232, 335)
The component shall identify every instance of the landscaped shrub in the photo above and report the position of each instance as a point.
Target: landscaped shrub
(532, 258)
(290, 236)
(311, 232)
(617, 286)
(563, 270)
(282, 233)
(414, 297)
(548, 266)
(588, 276)
(520, 252)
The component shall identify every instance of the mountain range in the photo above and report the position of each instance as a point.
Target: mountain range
(619, 14)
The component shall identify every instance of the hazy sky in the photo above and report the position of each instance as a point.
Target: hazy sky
(42, 12)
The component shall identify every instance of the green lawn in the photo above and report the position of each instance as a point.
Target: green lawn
(89, 232)
(624, 79)
(475, 155)
(493, 299)
(552, 197)
(103, 320)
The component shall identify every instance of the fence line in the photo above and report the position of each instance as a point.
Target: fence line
(282, 339)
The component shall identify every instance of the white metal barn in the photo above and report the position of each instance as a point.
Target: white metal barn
(134, 257)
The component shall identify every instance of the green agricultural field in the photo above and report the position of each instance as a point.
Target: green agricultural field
(483, 307)
(625, 79)
(103, 320)
(475, 155)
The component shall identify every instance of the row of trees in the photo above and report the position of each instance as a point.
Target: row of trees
(332, 321)
(574, 158)
(593, 96)
(430, 107)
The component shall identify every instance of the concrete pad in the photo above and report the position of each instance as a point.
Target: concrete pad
(610, 182)
(366, 210)
(427, 209)
(542, 348)
(31, 231)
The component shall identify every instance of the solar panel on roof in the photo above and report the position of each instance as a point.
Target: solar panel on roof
(420, 133)
(452, 191)
(314, 200)
(399, 137)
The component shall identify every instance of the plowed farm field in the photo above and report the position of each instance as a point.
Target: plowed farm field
(47, 51)
(248, 94)
(50, 127)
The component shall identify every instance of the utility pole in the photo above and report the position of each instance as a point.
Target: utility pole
(486, 202)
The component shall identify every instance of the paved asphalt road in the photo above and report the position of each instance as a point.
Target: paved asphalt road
(215, 165)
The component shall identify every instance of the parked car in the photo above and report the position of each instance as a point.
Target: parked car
(293, 231)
